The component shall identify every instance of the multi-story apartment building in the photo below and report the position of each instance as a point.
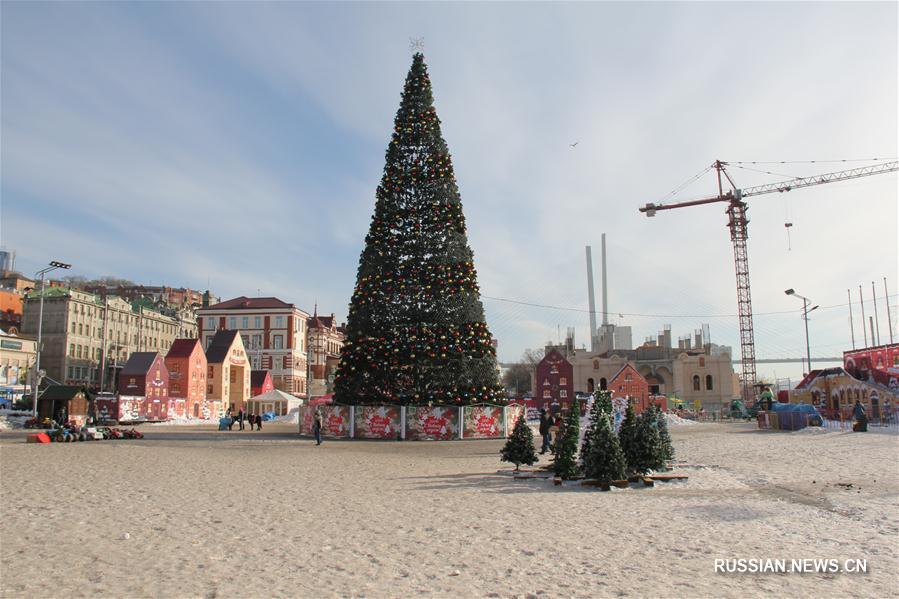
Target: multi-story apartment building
(17, 356)
(176, 297)
(273, 333)
(11, 311)
(87, 340)
(326, 340)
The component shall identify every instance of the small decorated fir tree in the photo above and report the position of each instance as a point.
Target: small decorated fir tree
(664, 436)
(565, 463)
(598, 409)
(627, 436)
(519, 448)
(604, 398)
(647, 445)
(605, 460)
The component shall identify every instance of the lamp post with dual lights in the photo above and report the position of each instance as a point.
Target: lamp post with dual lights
(40, 321)
(805, 312)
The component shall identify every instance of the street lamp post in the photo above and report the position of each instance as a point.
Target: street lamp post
(40, 322)
(805, 313)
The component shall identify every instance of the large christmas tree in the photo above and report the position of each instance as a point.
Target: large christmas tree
(416, 331)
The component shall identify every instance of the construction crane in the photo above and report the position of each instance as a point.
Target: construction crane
(739, 235)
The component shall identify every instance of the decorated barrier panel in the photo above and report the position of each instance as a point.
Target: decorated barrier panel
(420, 423)
(483, 422)
(437, 423)
(377, 422)
(335, 420)
(513, 413)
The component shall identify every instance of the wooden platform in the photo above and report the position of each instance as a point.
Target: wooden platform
(665, 477)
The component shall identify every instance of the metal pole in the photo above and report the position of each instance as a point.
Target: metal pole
(808, 351)
(871, 322)
(37, 366)
(876, 317)
(852, 326)
(105, 349)
(861, 300)
(886, 295)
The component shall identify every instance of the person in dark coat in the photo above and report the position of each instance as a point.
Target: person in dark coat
(251, 420)
(545, 423)
(230, 418)
(861, 418)
(317, 423)
(258, 422)
(240, 419)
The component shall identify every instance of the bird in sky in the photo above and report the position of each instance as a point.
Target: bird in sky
(574, 144)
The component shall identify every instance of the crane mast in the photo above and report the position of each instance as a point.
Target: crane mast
(738, 224)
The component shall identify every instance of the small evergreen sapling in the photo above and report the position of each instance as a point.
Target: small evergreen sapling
(664, 436)
(595, 412)
(519, 448)
(647, 445)
(605, 460)
(627, 436)
(565, 463)
(604, 398)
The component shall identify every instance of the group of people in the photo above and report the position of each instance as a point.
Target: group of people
(241, 418)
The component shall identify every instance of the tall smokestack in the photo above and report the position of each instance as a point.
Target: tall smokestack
(591, 298)
(605, 290)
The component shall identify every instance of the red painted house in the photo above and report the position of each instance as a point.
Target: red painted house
(260, 382)
(629, 383)
(553, 382)
(186, 363)
(146, 379)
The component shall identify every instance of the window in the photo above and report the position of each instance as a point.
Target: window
(546, 394)
(209, 323)
(233, 376)
(209, 389)
(232, 323)
(278, 342)
(73, 328)
(708, 382)
(256, 342)
(245, 322)
(702, 362)
(72, 350)
(627, 377)
(563, 393)
(563, 381)
(257, 322)
(245, 339)
(696, 382)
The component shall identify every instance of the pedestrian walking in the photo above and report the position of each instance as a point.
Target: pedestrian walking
(251, 420)
(545, 422)
(230, 418)
(258, 422)
(317, 422)
(861, 418)
(240, 416)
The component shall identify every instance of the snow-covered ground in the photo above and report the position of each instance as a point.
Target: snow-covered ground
(192, 513)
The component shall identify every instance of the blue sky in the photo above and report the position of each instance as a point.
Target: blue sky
(240, 145)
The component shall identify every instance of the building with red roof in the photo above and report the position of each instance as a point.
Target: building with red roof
(326, 338)
(186, 363)
(272, 332)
